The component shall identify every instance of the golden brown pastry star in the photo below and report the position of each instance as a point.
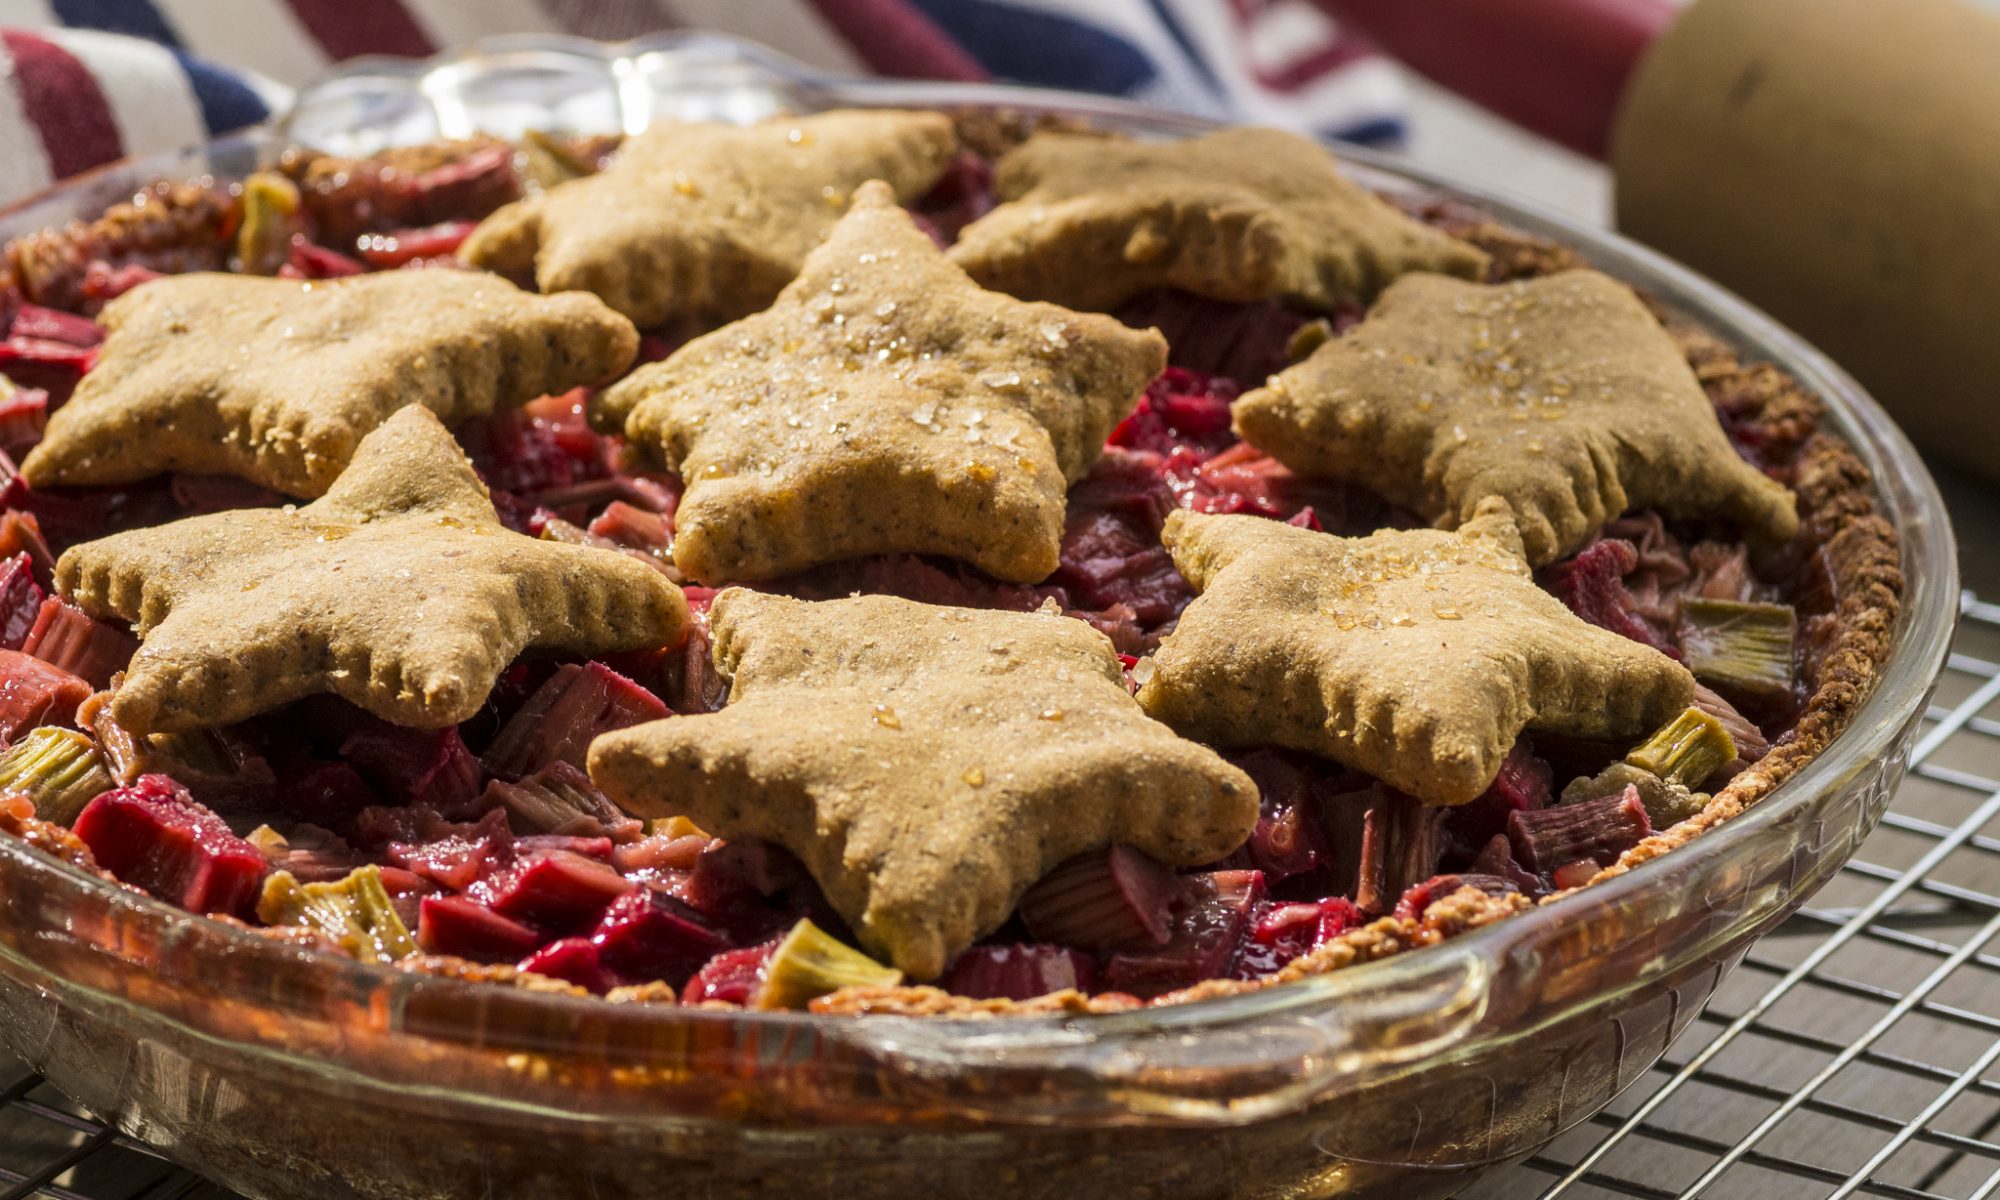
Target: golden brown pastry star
(709, 221)
(276, 380)
(884, 404)
(1561, 394)
(1417, 656)
(399, 590)
(1241, 214)
(926, 763)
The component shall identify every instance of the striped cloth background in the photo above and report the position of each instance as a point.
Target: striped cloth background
(87, 81)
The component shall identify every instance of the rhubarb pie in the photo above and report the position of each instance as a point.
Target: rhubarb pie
(889, 562)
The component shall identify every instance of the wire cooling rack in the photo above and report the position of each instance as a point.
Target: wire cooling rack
(1854, 1052)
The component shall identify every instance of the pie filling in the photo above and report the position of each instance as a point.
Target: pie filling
(486, 841)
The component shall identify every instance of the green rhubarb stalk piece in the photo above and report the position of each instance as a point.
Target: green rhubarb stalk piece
(811, 962)
(354, 911)
(1686, 750)
(1740, 648)
(1667, 804)
(59, 769)
(270, 217)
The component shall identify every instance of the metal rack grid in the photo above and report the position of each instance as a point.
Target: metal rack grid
(1856, 1051)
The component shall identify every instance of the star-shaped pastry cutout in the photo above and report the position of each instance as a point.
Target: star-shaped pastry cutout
(884, 404)
(1240, 214)
(709, 221)
(1562, 395)
(399, 590)
(277, 380)
(1417, 656)
(927, 764)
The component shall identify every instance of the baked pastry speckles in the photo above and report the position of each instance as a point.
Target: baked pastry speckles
(709, 221)
(926, 763)
(1241, 214)
(884, 404)
(1417, 656)
(1562, 395)
(398, 590)
(277, 381)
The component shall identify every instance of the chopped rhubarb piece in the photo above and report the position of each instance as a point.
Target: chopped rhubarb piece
(61, 519)
(1523, 783)
(1401, 844)
(1741, 649)
(1497, 859)
(810, 962)
(355, 912)
(1206, 937)
(560, 799)
(1019, 972)
(1182, 409)
(430, 765)
(59, 769)
(647, 934)
(732, 976)
(1751, 744)
(1686, 750)
(54, 325)
(1574, 874)
(660, 852)
(557, 889)
(633, 528)
(1289, 839)
(1599, 830)
(33, 693)
(103, 283)
(599, 848)
(326, 793)
(726, 872)
(312, 261)
(457, 926)
(24, 416)
(52, 366)
(1592, 584)
(1420, 897)
(403, 246)
(572, 960)
(65, 636)
(154, 836)
(1283, 932)
(1110, 899)
(20, 600)
(457, 861)
(21, 533)
(271, 218)
(565, 715)
(962, 195)
(1667, 803)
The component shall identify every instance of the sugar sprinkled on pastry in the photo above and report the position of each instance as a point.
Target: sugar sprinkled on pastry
(926, 763)
(1241, 214)
(1562, 395)
(276, 380)
(399, 590)
(708, 221)
(884, 404)
(1418, 656)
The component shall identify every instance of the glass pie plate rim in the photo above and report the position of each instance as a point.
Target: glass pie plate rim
(1166, 1062)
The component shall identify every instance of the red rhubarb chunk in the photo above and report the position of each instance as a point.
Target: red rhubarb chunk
(1592, 584)
(1288, 840)
(24, 416)
(1497, 858)
(647, 934)
(1598, 830)
(558, 889)
(1283, 932)
(732, 976)
(325, 793)
(1110, 899)
(54, 325)
(1019, 972)
(1181, 409)
(565, 715)
(311, 261)
(1418, 899)
(394, 249)
(431, 766)
(1205, 940)
(572, 960)
(65, 636)
(33, 693)
(154, 836)
(20, 600)
(457, 926)
(21, 533)
(1523, 784)
(1402, 842)
(461, 859)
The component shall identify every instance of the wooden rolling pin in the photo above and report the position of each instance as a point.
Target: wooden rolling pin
(1835, 161)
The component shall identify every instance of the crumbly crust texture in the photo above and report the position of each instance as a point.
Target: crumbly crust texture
(884, 404)
(1242, 214)
(276, 381)
(709, 221)
(927, 764)
(1563, 395)
(399, 590)
(1417, 656)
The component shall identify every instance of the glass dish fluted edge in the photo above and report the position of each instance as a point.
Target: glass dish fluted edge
(1222, 1062)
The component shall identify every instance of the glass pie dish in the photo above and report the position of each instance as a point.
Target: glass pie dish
(284, 1073)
